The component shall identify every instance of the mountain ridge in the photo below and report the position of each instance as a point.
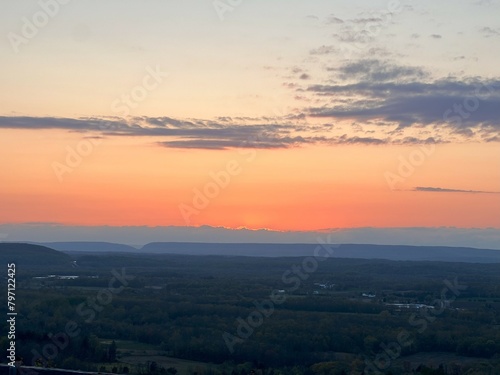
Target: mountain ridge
(363, 251)
(26, 254)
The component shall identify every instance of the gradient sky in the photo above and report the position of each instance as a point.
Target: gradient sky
(287, 115)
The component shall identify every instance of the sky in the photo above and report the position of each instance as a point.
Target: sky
(287, 116)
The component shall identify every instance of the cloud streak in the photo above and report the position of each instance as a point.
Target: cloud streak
(227, 133)
(446, 190)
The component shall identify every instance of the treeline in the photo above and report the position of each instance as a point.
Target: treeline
(296, 333)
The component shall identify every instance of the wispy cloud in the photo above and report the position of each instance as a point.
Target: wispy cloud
(225, 133)
(378, 71)
(324, 50)
(447, 190)
(259, 141)
(489, 32)
(333, 19)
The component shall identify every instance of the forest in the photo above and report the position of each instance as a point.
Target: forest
(192, 314)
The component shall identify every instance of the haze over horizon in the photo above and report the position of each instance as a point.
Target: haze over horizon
(488, 238)
(378, 117)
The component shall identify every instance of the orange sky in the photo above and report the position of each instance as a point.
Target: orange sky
(126, 182)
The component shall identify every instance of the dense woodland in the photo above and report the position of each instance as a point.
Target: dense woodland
(266, 315)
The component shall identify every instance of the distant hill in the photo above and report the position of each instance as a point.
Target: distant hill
(359, 251)
(24, 254)
(390, 252)
(83, 246)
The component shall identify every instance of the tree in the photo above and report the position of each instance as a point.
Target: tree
(153, 367)
(112, 352)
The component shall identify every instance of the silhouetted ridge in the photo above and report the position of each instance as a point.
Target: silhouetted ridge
(89, 246)
(31, 255)
(364, 251)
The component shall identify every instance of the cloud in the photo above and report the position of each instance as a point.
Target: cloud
(495, 138)
(367, 20)
(344, 139)
(226, 133)
(258, 141)
(324, 50)
(202, 134)
(378, 71)
(446, 190)
(332, 19)
(484, 2)
(371, 90)
(363, 29)
(489, 32)
(77, 125)
(312, 16)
